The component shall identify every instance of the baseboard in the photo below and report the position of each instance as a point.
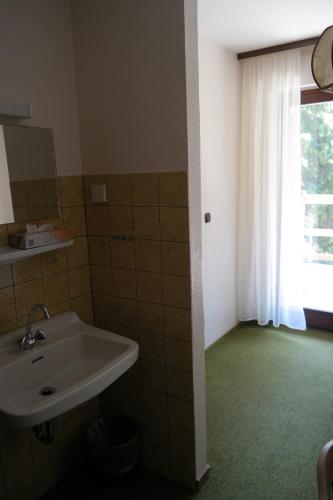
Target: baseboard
(203, 479)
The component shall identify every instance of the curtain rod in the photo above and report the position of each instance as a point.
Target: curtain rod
(278, 48)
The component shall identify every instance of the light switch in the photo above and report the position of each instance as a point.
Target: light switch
(98, 193)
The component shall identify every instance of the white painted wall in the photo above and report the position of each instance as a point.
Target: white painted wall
(219, 77)
(131, 85)
(195, 193)
(37, 68)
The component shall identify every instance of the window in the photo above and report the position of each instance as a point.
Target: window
(317, 187)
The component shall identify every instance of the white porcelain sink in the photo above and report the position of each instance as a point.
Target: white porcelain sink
(76, 360)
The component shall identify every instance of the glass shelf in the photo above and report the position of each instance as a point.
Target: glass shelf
(9, 255)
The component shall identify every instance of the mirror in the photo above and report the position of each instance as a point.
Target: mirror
(32, 172)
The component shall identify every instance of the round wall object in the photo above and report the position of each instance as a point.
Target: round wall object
(322, 61)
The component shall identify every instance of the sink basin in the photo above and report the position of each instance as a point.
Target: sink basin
(75, 363)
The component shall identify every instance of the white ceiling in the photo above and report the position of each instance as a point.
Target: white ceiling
(242, 25)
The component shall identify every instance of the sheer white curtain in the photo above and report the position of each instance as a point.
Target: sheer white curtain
(270, 224)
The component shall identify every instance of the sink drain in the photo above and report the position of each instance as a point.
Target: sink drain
(47, 391)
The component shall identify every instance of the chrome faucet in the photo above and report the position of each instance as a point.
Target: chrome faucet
(30, 338)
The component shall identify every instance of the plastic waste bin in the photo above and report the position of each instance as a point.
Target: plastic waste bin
(113, 444)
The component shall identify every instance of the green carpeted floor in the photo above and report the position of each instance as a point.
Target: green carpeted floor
(269, 412)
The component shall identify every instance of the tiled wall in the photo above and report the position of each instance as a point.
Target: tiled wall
(34, 199)
(61, 280)
(141, 289)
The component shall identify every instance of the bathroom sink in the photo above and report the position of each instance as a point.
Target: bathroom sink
(75, 363)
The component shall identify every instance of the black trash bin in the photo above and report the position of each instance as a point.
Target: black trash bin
(113, 444)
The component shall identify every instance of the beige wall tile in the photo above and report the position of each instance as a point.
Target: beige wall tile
(122, 254)
(28, 294)
(156, 458)
(52, 193)
(150, 317)
(119, 189)
(3, 236)
(27, 269)
(97, 220)
(155, 405)
(154, 432)
(22, 320)
(88, 181)
(19, 474)
(152, 347)
(59, 308)
(101, 279)
(71, 190)
(124, 283)
(146, 223)
(178, 354)
(36, 194)
(133, 375)
(173, 189)
(75, 219)
(110, 399)
(99, 250)
(126, 312)
(15, 228)
(180, 384)
(19, 191)
(153, 376)
(148, 255)
(77, 254)
(181, 414)
(125, 331)
(176, 291)
(149, 287)
(7, 304)
(39, 213)
(8, 327)
(120, 221)
(132, 399)
(181, 442)
(6, 277)
(55, 288)
(83, 307)
(145, 190)
(79, 281)
(54, 262)
(21, 214)
(177, 323)
(89, 412)
(175, 258)
(174, 224)
(182, 470)
(13, 441)
(104, 307)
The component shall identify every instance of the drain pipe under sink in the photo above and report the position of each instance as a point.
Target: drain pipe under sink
(45, 432)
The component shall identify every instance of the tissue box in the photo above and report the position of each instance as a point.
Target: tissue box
(24, 241)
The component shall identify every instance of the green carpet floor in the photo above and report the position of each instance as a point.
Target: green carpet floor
(269, 412)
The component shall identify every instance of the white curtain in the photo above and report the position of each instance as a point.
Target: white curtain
(271, 224)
